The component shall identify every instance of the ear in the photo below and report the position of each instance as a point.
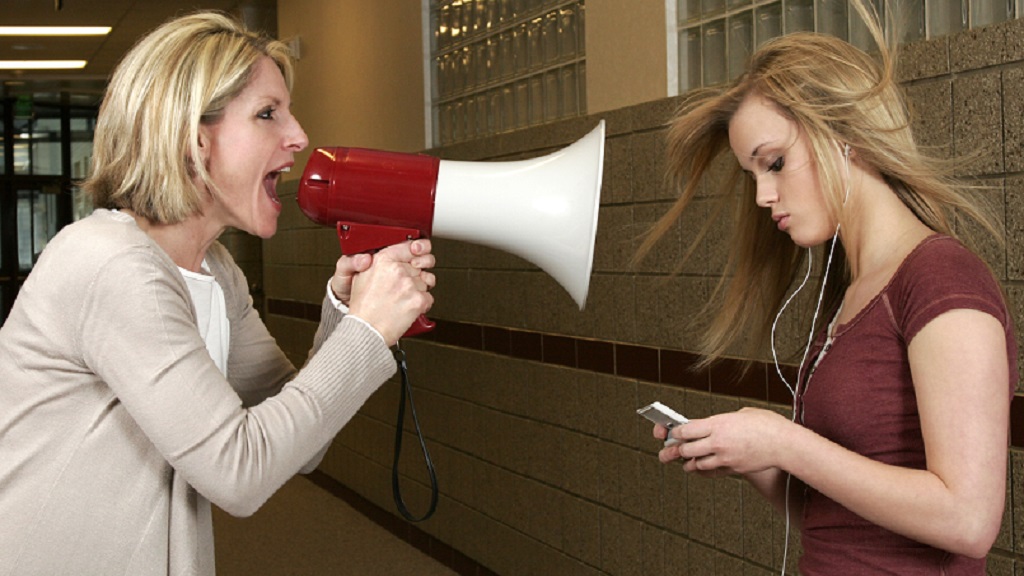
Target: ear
(205, 142)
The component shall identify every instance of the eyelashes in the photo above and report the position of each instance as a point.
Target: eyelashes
(776, 167)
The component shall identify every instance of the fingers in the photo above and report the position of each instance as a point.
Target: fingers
(666, 455)
(422, 279)
(686, 443)
(422, 257)
(420, 247)
(417, 255)
(415, 252)
(349, 265)
(344, 270)
(700, 467)
(392, 293)
(428, 279)
(680, 435)
(704, 464)
(728, 443)
(693, 430)
(360, 262)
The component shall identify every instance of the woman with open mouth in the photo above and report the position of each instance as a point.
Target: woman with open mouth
(137, 382)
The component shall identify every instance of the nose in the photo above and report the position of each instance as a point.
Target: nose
(766, 195)
(297, 139)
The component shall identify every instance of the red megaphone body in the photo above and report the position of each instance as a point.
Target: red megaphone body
(373, 198)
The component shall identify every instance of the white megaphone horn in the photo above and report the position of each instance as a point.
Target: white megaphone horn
(543, 209)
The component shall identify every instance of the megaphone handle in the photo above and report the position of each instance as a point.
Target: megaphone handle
(421, 325)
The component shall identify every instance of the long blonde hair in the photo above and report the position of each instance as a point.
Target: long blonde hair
(835, 94)
(146, 153)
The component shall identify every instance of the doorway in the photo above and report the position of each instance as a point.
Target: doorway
(47, 149)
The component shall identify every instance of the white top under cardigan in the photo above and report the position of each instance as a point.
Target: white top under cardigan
(211, 314)
(116, 425)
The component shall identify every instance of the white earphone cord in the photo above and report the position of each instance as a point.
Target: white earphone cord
(810, 339)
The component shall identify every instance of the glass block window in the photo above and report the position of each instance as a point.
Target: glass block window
(502, 65)
(714, 38)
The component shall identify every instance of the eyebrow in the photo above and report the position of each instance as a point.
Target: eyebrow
(274, 101)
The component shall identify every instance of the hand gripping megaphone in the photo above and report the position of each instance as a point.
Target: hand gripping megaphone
(542, 209)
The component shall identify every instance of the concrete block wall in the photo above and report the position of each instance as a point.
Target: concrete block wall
(527, 404)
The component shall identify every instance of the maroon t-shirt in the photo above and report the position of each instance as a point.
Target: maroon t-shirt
(862, 397)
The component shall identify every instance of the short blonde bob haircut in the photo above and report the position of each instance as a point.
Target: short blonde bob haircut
(836, 94)
(146, 154)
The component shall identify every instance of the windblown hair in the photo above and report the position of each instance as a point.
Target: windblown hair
(835, 94)
(146, 154)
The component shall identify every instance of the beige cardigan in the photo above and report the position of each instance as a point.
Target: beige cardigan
(116, 427)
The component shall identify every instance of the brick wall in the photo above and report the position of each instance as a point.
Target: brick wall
(528, 404)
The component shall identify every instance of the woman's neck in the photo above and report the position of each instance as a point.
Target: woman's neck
(185, 242)
(882, 231)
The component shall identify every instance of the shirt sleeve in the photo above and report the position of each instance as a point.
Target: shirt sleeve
(137, 333)
(338, 304)
(942, 276)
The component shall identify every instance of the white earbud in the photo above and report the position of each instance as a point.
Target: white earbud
(846, 157)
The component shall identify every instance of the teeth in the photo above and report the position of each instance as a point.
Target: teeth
(285, 169)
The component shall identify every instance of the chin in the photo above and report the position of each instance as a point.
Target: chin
(805, 242)
(810, 240)
(264, 229)
(266, 232)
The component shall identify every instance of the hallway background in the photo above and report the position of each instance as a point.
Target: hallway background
(528, 405)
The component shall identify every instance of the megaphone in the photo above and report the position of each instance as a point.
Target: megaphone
(543, 209)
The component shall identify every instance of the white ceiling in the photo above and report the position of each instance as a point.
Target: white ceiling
(129, 20)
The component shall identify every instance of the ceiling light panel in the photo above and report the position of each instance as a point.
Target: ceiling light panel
(54, 30)
(41, 64)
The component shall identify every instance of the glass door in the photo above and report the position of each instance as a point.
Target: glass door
(37, 222)
(46, 146)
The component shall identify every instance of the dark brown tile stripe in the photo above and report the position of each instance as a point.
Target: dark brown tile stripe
(457, 334)
(497, 340)
(595, 356)
(737, 378)
(679, 368)
(560, 350)
(760, 381)
(527, 345)
(778, 391)
(294, 309)
(637, 362)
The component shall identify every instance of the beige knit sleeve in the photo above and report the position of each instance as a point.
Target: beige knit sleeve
(136, 332)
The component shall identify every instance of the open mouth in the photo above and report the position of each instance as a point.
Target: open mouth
(270, 184)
